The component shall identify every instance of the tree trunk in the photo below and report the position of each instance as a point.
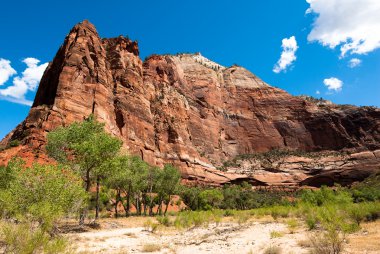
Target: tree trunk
(166, 208)
(137, 205)
(144, 203)
(84, 211)
(97, 198)
(117, 199)
(159, 208)
(128, 201)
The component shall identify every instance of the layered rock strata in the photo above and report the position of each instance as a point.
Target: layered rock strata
(187, 110)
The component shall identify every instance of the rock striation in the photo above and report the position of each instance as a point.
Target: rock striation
(187, 110)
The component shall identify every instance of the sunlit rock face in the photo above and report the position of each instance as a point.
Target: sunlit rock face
(196, 114)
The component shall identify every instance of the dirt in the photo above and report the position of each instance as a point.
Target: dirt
(130, 236)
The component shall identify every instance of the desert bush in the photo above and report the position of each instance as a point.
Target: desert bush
(26, 238)
(311, 221)
(151, 247)
(272, 250)
(276, 234)
(187, 219)
(335, 218)
(41, 194)
(150, 226)
(279, 211)
(164, 220)
(241, 217)
(229, 212)
(14, 143)
(326, 195)
(368, 190)
(329, 242)
(292, 225)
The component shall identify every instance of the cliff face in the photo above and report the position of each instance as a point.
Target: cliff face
(189, 111)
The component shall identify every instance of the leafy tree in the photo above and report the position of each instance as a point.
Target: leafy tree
(85, 147)
(211, 198)
(168, 183)
(42, 193)
(190, 197)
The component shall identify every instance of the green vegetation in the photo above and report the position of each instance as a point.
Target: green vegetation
(32, 201)
(14, 143)
(276, 234)
(94, 175)
(95, 155)
(86, 149)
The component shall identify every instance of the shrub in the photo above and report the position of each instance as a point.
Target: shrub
(330, 242)
(241, 217)
(189, 219)
(164, 220)
(292, 225)
(211, 198)
(41, 194)
(276, 234)
(150, 226)
(326, 196)
(229, 212)
(14, 143)
(151, 247)
(273, 250)
(24, 238)
(279, 211)
(357, 213)
(311, 221)
(368, 190)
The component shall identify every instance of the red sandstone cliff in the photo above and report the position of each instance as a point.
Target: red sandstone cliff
(194, 113)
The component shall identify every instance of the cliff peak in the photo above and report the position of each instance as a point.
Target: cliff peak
(194, 113)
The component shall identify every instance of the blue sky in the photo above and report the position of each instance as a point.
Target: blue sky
(249, 33)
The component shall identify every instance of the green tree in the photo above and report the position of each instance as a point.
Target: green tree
(42, 193)
(168, 182)
(190, 196)
(85, 147)
(211, 198)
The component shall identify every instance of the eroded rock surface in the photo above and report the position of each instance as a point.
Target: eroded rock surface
(187, 110)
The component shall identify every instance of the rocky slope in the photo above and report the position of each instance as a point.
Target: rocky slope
(187, 110)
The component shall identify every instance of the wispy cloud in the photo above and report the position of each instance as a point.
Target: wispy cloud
(353, 25)
(354, 62)
(333, 84)
(28, 81)
(288, 55)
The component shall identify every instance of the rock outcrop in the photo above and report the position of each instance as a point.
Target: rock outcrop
(187, 110)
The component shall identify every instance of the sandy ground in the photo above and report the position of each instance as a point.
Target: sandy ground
(129, 236)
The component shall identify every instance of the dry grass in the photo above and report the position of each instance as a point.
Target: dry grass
(304, 243)
(273, 250)
(276, 234)
(151, 247)
(366, 240)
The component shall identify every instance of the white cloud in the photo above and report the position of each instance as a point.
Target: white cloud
(333, 84)
(28, 81)
(317, 92)
(6, 71)
(353, 25)
(354, 62)
(288, 55)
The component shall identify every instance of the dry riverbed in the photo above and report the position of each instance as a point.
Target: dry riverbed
(128, 235)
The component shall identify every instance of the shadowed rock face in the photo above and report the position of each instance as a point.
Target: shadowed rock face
(189, 111)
